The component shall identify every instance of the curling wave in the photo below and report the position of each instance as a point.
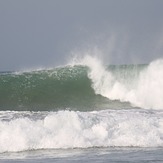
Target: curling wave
(87, 85)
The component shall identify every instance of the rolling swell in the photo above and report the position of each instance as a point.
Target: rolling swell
(59, 88)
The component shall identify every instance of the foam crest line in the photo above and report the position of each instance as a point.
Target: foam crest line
(70, 129)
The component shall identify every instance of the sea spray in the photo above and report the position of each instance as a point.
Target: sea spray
(149, 91)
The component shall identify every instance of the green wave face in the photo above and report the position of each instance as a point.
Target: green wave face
(59, 88)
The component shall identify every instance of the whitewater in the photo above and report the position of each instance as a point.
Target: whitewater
(76, 110)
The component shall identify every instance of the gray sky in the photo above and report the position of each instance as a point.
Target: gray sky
(44, 33)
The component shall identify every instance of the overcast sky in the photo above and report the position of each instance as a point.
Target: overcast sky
(44, 33)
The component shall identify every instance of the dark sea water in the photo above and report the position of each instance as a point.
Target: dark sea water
(102, 155)
(85, 112)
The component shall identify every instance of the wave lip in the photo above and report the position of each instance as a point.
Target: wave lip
(70, 129)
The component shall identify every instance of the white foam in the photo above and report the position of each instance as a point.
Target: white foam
(145, 92)
(149, 91)
(69, 129)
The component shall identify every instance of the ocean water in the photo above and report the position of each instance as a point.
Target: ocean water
(83, 112)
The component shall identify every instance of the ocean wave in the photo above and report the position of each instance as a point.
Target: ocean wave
(86, 85)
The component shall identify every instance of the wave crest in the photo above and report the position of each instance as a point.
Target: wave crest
(141, 86)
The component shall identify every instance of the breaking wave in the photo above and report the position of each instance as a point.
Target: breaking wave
(87, 85)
